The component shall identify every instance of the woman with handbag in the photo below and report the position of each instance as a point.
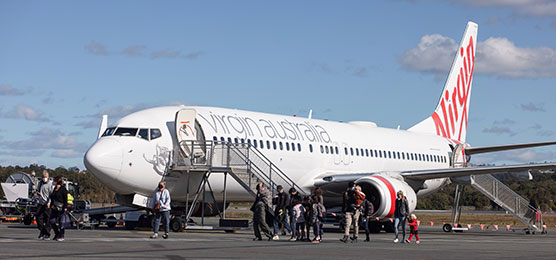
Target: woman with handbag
(59, 201)
(161, 208)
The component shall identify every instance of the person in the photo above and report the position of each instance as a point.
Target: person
(412, 221)
(259, 208)
(400, 214)
(59, 203)
(354, 198)
(317, 212)
(320, 201)
(367, 210)
(42, 216)
(161, 207)
(298, 221)
(294, 196)
(281, 200)
(307, 204)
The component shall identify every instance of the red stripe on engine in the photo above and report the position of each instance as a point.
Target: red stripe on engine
(392, 195)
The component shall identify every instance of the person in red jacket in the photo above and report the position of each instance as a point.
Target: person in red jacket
(412, 221)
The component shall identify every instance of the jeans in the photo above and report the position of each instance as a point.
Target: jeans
(281, 219)
(165, 215)
(355, 217)
(398, 221)
(317, 228)
(367, 232)
(43, 220)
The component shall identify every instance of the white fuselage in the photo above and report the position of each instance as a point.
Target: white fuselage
(129, 164)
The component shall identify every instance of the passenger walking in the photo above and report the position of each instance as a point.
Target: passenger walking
(354, 198)
(400, 214)
(320, 200)
(59, 203)
(367, 210)
(412, 221)
(298, 221)
(259, 208)
(307, 204)
(281, 219)
(44, 211)
(317, 215)
(294, 196)
(161, 208)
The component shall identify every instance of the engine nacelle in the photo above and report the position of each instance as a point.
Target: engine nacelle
(381, 192)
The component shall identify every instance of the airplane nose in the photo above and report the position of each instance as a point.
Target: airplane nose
(104, 159)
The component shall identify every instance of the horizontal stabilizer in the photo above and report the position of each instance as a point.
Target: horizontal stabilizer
(459, 172)
(499, 148)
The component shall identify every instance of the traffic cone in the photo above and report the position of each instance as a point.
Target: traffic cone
(482, 226)
(468, 226)
(508, 227)
(496, 227)
(432, 223)
(34, 221)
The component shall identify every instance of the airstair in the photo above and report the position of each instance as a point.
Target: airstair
(243, 162)
(509, 200)
(496, 191)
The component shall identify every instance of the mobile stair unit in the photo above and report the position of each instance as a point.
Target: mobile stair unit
(496, 191)
(196, 158)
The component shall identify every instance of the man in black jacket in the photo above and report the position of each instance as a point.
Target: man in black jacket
(367, 210)
(282, 202)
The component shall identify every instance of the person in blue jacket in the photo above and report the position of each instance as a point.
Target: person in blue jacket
(161, 208)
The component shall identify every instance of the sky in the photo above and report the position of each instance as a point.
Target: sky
(63, 64)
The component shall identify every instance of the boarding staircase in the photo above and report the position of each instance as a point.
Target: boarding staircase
(509, 200)
(496, 191)
(243, 162)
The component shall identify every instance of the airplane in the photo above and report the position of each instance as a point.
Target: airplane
(132, 155)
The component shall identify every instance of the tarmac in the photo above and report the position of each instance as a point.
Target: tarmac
(18, 241)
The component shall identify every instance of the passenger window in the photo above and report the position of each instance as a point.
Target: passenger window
(144, 133)
(123, 131)
(357, 151)
(403, 156)
(299, 147)
(346, 150)
(268, 145)
(281, 147)
(336, 149)
(109, 131)
(287, 146)
(321, 149)
(293, 147)
(222, 139)
(310, 148)
(229, 140)
(214, 138)
(242, 141)
(389, 154)
(351, 150)
(261, 143)
(274, 145)
(248, 142)
(398, 153)
(380, 154)
(236, 140)
(255, 143)
(155, 133)
(394, 155)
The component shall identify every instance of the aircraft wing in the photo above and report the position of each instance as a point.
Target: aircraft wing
(458, 172)
(498, 148)
(420, 175)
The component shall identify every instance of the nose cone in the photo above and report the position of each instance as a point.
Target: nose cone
(104, 159)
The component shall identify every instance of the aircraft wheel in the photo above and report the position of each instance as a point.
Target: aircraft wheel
(447, 228)
(111, 224)
(375, 227)
(176, 224)
(27, 219)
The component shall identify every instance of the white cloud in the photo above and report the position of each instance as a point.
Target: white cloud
(498, 130)
(22, 111)
(532, 107)
(497, 57)
(67, 153)
(134, 50)
(8, 90)
(96, 48)
(171, 54)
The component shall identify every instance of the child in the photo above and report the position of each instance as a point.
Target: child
(298, 223)
(412, 221)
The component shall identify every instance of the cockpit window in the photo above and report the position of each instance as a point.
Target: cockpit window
(155, 133)
(143, 133)
(124, 131)
(109, 131)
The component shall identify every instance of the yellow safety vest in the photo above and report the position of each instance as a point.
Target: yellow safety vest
(70, 199)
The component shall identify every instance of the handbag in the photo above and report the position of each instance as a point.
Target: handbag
(65, 221)
(58, 206)
(156, 207)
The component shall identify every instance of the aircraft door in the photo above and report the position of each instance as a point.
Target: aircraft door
(186, 133)
(345, 157)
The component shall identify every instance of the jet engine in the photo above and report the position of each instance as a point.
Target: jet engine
(381, 192)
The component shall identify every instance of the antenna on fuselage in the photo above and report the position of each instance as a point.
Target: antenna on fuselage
(310, 113)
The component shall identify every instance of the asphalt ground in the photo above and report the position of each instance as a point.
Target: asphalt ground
(20, 242)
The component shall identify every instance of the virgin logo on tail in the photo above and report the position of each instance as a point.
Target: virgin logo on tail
(450, 118)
